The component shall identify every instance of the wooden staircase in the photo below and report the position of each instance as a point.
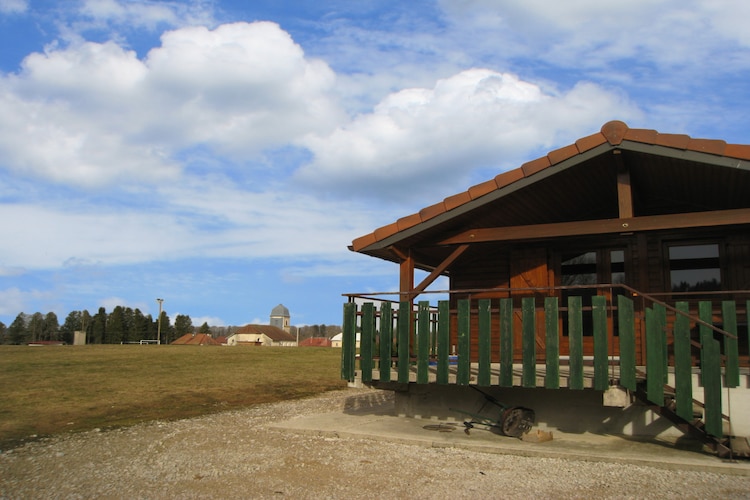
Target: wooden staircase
(694, 427)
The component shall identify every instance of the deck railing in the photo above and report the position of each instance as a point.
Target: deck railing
(486, 341)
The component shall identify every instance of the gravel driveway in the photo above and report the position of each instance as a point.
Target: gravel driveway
(236, 454)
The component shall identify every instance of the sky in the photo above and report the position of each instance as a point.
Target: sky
(223, 154)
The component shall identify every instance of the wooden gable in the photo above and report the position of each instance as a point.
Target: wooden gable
(618, 181)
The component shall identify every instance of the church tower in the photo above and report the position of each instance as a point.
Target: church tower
(280, 318)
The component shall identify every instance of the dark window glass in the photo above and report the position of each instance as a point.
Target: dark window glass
(694, 268)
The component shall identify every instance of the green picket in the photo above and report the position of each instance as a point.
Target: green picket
(528, 341)
(575, 340)
(348, 346)
(654, 358)
(443, 341)
(485, 355)
(731, 348)
(705, 313)
(506, 342)
(366, 340)
(626, 328)
(683, 369)
(464, 342)
(552, 343)
(386, 341)
(711, 380)
(403, 327)
(599, 313)
(423, 342)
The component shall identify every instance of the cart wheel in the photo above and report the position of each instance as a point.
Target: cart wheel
(517, 421)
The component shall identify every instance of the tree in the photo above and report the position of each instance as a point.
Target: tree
(98, 327)
(115, 329)
(167, 332)
(128, 316)
(182, 325)
(35, 326)
(3, 333)
(205, 328)
(17, 332)
(50, 327)
(141, 326)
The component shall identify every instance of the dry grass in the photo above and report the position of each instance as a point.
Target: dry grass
(48, 390)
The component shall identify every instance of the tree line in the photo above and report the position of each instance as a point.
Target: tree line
(123, 324)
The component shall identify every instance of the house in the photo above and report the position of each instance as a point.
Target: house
(261, 335)
(599, 271)
(196, 339)
(274, 334)
(337, 340)
(316, 342)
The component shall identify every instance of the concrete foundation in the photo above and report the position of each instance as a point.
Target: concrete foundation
(572, 412)
(612, 412)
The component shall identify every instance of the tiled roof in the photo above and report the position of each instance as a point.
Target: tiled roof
(612, 133)
(196, 339)
(316, 342)
(272, 332)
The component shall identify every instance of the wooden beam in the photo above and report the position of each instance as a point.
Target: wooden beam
(439, 269)
(400, 254)
(406, 278)
(624, 190)
(602, 226)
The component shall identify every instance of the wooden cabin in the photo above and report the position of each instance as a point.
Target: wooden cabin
(621, 256)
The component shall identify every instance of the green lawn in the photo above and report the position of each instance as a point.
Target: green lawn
(48, 390)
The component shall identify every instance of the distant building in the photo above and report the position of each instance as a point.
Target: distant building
(316, 342)
(336, 340)
(261, 335)
(196, 339)
(280, 318)
(79, 338)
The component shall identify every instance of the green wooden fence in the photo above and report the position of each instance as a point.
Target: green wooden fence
(386, 338)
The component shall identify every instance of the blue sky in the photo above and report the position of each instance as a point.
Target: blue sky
(222, 154)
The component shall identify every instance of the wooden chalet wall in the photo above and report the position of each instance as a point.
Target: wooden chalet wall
(491, 266)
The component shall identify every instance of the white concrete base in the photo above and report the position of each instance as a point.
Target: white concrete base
(566, 411)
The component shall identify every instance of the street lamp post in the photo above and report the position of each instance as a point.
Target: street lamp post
(158, 327)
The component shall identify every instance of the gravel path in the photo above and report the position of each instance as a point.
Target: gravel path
(236, 454)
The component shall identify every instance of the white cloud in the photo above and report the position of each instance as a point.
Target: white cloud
(591, 33)
(13, 6)
(207, 219)
(49, 237)
(14, 300)
(145, 14)
(210, 320)
(416, 138)
(92, 114)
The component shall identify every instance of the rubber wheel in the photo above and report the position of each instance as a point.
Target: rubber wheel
(517, 421)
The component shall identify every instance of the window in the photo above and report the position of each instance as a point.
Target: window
(694, 268)
(579, 268)
(590, 268)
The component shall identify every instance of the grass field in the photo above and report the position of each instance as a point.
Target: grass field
(49, 390)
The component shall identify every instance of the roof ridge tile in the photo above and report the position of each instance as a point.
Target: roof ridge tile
(710, 146)
(677, 141)
(562, 154)
(590, 142)
(614, 131)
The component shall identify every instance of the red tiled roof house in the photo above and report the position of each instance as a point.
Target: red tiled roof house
(261, 335)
